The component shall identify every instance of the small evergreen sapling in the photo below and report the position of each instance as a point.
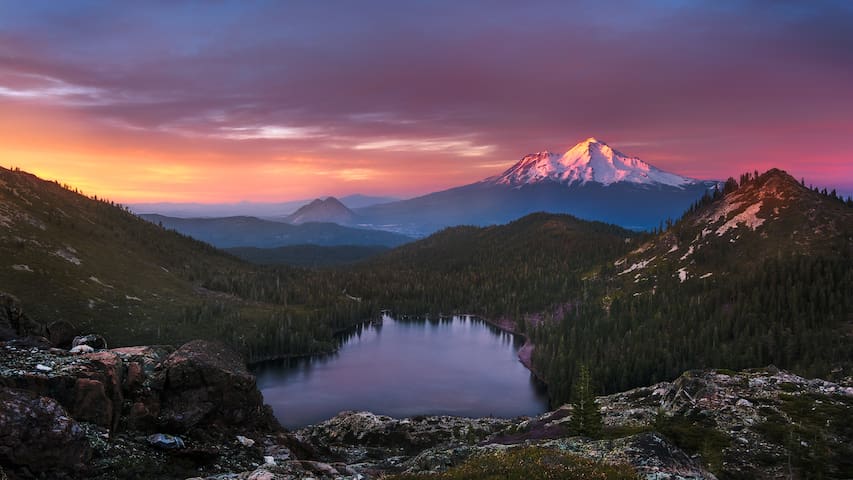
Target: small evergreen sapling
(586, 416)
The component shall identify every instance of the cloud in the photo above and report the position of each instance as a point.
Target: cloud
(702, 88)
(267, 132)
(460, 147)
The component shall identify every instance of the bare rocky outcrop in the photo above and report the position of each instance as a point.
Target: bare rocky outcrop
(38, 435)
(13, 321)
(88, 386)
(205, 383)
(120, 397)
(102, 407)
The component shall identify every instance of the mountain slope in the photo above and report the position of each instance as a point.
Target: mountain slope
(330, 210)
(759, 275)
(590, 181)
(771, 215)
(231, 232)
(588, 161)
(524, 266)
(307, 255)
(105, 270)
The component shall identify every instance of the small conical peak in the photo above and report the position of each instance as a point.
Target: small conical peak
(593, 140)
(333, 201)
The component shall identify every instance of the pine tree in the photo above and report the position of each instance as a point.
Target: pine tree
(586, 416)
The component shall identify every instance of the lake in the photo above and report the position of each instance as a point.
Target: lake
(401, 368)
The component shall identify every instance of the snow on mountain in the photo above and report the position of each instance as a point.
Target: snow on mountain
(588, 161)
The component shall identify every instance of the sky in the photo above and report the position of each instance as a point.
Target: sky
(271, 101)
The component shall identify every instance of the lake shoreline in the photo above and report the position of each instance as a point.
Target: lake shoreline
(504, 324)
(525, 353)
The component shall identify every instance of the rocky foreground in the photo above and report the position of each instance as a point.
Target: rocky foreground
(195, 412)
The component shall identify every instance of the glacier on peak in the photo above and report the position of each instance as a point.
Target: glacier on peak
(589, 161)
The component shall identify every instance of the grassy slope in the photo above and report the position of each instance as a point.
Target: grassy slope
(73, 258)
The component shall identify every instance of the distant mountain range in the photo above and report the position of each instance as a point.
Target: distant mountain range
(591, 181)
(228, 232)
(253, 209)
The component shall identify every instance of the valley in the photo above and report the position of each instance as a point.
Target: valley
(437, 240)
(633, 308)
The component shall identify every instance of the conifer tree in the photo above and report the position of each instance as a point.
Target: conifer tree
(586, 416)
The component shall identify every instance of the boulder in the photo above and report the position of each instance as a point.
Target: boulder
(205, 383)
(38, 434)
(93, 340)
(87, 386)
(363, 436)
(61, 333)
(13, 321)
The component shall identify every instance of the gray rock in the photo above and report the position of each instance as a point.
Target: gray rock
(166, 441)
(37, 433)
(93, 340)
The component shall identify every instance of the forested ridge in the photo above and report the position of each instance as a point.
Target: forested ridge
(766, 267)
(702, 294)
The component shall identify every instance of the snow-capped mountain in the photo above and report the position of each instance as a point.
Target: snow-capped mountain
(589, 161)
(591, 181)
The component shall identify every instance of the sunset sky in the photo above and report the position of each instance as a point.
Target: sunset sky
(272, 101)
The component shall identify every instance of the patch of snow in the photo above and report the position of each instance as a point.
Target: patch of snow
(689, 252)
(748, 217)
(706, 275)
(82, 349)
(588, 161)
(673, 249)
(637, 266)
(129, 297)
(165, 269)
(68, 256)
(96, 280)
(641, 249)
(91, 304)
(43, 368)
(723, 212)
(22, 268)
(682, 274)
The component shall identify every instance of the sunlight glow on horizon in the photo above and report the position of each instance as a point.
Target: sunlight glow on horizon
(270, 107)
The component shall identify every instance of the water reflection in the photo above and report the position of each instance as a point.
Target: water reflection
(403, 367)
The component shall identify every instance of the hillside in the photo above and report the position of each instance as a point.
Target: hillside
(503, 270)
(231, 232)
(760, 275)
(98, 266)
(307, 255)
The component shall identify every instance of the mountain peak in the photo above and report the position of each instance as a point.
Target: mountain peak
(318, 210)
(590, 161)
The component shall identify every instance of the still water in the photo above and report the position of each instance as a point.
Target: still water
(401, 368)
